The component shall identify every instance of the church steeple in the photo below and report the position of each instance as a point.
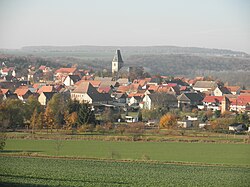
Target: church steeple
(117, 62)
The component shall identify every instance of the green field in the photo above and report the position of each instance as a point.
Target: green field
(64, 172)
(205, 153)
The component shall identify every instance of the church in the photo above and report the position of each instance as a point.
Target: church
(117, 62)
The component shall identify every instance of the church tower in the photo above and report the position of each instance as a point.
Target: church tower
(117, 62)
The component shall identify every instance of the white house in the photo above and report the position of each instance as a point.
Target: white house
(205, 86)
(85, 92)
(70, 80)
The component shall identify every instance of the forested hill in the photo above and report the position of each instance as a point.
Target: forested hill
(130, 50)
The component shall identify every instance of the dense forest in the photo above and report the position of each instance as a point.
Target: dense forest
(229, 66)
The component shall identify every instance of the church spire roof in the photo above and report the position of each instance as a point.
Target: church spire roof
(118, 56)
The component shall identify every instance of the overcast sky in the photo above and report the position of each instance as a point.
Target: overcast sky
(198, 23)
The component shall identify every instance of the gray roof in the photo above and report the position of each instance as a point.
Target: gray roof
(48, 95)
(205, 84)
(162, 97)
(193, 97)
(224, 90)
(74, 78)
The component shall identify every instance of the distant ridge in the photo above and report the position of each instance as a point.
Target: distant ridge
(136, 50)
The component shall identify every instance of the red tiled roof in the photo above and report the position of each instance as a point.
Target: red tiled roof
(233, 88)
(42, 67)
(213, 99)
(8, 69)
(66, 70)
(21, 91)
(46, 89)
(123, 89)
(4, 91)
(135, 95)
(104, 89)
(153, 87)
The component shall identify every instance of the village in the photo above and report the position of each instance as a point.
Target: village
(135, 98)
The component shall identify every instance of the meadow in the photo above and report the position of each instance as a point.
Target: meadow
(201, 153)
(65, 172)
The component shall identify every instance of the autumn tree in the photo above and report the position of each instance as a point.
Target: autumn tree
(70, 119)
(40, 120)
(33, 120)
(168, 121)
(49, 119)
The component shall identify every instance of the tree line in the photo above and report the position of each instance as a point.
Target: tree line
(59, 113)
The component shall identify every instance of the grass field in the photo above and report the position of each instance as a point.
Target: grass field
(60, 172)
(206, 153)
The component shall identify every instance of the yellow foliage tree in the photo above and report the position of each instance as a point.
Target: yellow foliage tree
(168, 121)
(70, 120)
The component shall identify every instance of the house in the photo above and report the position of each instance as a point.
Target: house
(44, 97)
(191, 99)
(23, 93)
(120, 97)
(240, 104)
(237, 127)
(8, 71)
(135, 100)
(70, 80)
(131, 119)
(45, 69)
(86, 92)
(62, 73)
(159, 99)
(212, 102)
(35, 76)
(220, 91)
(235, 90)
(204, 86)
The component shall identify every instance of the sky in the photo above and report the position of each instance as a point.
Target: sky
(223, 24)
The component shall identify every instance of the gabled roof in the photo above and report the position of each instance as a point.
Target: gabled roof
(45, 89)
(123, 89)
(48, 95)
(233, 88)
(22, 92)
(4, 91)
(88, 88)
(224, 90)
(42, 67)
(66, 70)
(106, 89)
(74, 78)
(193, 97)
(213, 99)
(153, 87)
(8, 69)
(205, 84)
(163, 97)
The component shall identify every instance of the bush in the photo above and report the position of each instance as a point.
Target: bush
(2, 140)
